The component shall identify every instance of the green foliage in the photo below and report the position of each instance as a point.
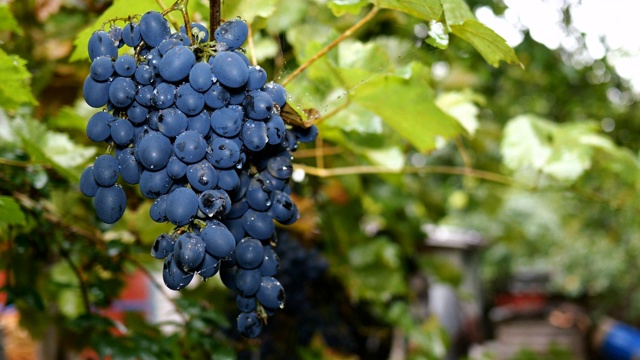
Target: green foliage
(14, 82)
(10, 213)
(7, 21)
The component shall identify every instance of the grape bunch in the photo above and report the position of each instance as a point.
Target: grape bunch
(200, 131)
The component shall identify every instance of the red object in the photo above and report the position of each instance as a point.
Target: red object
(135, 297)
(522, 301)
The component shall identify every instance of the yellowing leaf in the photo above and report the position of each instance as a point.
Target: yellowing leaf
(7, 21)
(249, 9)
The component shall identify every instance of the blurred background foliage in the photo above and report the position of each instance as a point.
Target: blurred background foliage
(538, 153)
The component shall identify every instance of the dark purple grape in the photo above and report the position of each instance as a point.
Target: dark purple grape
(176, 168)
(182, 206)
(189, 100)
(172, 122)
(257, 78)
(246, 304)
(200, 123)
(218, 239)
(216, 96)
(277, 93)
(257, 105)
(99, 126)
(254, 135)
(101, 68)
(163, 95)
(271, 263)
(214, 203)
(101, 44)
(154, 151)
(95, 93)
(208, 267)
(106, 170)
(122, 132)
(199, 32)
(154, 28)
(125, 65)
(201, 76)
(154, 184)
(249, 253)
(271, 293)
(131, 35)
(176, 63)
(230, 69)
(249, 324)
(258, 224)
(227, 121)
(122, 91)
(173, 276)
(130, 169)
(248, 281)
(190, 147)
(233, 33)
(158, 209)
(189, 251)
(202, 176)
(144, 74)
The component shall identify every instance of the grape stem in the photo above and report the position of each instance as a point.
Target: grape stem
(214, 15)
(182, 6)
(332, 44)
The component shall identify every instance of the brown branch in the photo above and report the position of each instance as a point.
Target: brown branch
(214, 15)
(331, 45)
(373, 169)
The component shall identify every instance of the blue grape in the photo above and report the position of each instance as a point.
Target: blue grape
(236, 96)
(236, 228)
(115, 33)
(153, 58)
(189, 100)
(190, 147)
(88, 184)
(131, 34)
(276, 129)
(283, 210)
(145, 95)
(227, 121)
(182, 206)
(219, 241)
(122, 91)
(95, 93)
(158, 209)
(271, 293)
(257, 105)
(154, 151)
(228, 276)
(254, 135)
(125, 65)
(172, 122)
(273, 183)
(214, 203)
(306, 135)
(249, 253)
(130, 169)
(277, 93)
(200, 123)
(216, 96)
(163, 246)
(280, 166)
(144, 74)
(101, 44)
(176, 63)
(169, 43)
(137, 113)
(200, 32)
(233, 33)
(163, 95)
(238, 209)
(154, 28)
(271, 263)
(122, 132)
(248, 281)
(259, 194)
(202, 176)
(258, 224)
(224, 153)
(246, 304)
(101, 68)
(201, 76)
(173, 276)
(208, 267)
(249, 324)
(154, 184)
(189, 251)
(99, 126)
(241, 190)
(176, 168)
(105, 170)
(257, 78)
(110, 203)
(228, 179)
(230, 69)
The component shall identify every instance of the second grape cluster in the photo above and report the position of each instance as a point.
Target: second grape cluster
(198, 129)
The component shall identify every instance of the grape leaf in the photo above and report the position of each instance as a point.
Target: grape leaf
(423, 9)
(456, 12)
(119, 9)
(490, 45)
(406, 104)
(342, 7)
(7, 21)
(10, 212)
(14, 82)
(248, 10)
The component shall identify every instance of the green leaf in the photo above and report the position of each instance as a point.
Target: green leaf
(7, 21)
(406, 104)
(14, 82)
(248, 10)
(423, 9)
(456, 12)
(562, 151)
(461, 106)
(342, 7)
(10, 212)
(490, 45)
(119, 9)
